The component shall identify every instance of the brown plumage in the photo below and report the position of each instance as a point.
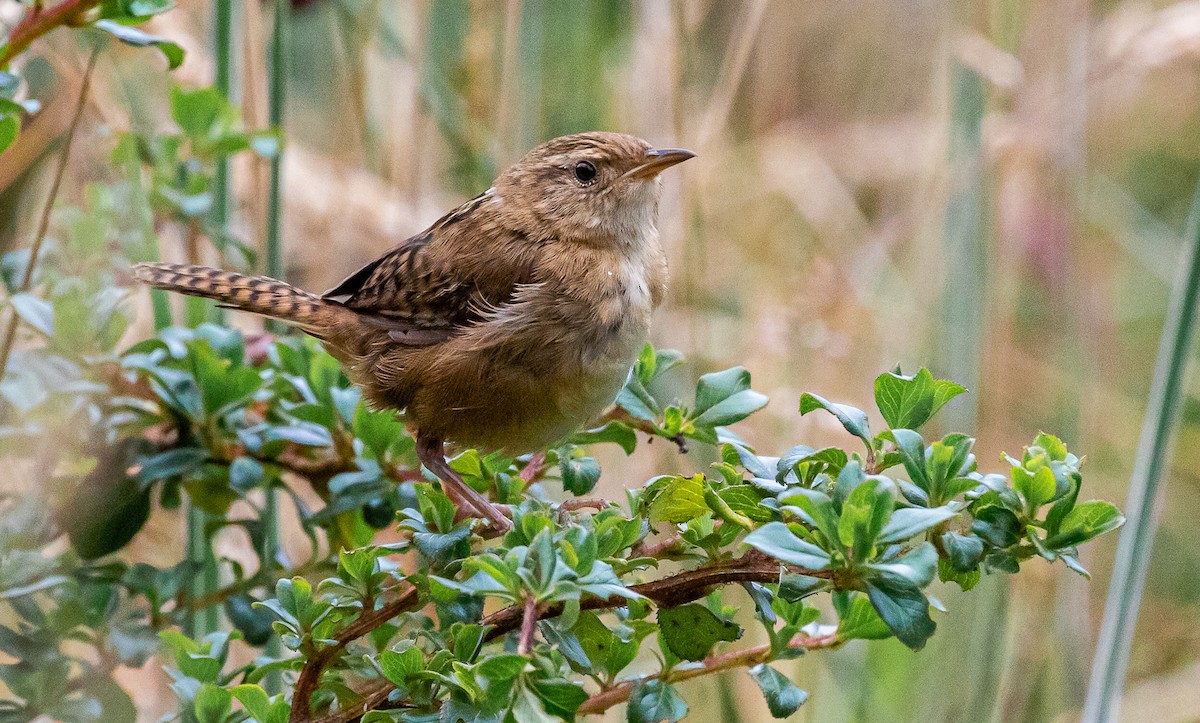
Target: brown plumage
(509, 322)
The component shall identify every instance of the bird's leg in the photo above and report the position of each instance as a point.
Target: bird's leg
(429, 450)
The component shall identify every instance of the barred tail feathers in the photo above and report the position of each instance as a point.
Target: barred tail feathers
(256, 294)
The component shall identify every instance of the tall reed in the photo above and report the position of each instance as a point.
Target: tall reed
(1150, 466)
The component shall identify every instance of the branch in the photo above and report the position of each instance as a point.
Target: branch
(667, 592)
(310, 674)
(671, 591)
(37, 22)
(713, 664)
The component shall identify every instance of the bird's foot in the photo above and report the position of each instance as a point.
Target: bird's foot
(462, 494)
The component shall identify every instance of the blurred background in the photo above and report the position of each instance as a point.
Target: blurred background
(997, 190)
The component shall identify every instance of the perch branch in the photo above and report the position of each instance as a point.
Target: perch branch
(667, 592)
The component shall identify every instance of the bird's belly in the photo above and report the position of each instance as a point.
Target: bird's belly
(526, 407)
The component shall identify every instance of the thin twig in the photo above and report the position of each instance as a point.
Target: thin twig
(310, 674)
(713, 664)
(667, 592)
(10, 332)
(528, 625)
(535, 468)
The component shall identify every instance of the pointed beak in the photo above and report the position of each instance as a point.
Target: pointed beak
(657, 161)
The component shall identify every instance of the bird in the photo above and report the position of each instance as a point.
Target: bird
(506, 325)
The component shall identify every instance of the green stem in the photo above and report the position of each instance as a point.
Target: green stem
(1153, 457)
(206, 578)
(273, 682)
(278, 88)
(223, 80)
(274, 259)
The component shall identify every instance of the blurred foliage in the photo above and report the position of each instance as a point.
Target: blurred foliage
(199, 412)
(810, 251)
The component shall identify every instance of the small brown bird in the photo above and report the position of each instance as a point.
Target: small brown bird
(510, 322)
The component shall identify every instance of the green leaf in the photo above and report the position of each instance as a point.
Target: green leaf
(998, 526)
(820, 511)
(559, 697)
(680, 500)
(904, 608)
(172, 463)
(732, 409)
(502, 669)
(245, 474)
(213, 704)
(863, 516)
(713, 388)
(255, 700)
(783, 696)
(917, 567)
(579, 474)
(1037, 488)
(852, 419)
(909, 402)
(653, 701)
(196, 111)
(253, 622)
(691, 630)
(358, 564)
(107, 508)
(725, 397)
(617, 433)
(146, 8)
(377, 430)
(141, 39)
(912, 453)
(1055, 448)
(10, 122)
(962, 551)
(746, 501)
(1085, 521)
(858, 619)
(34, 311)
(776, 540)
(948, 573)
(908, 522)
(602, 646)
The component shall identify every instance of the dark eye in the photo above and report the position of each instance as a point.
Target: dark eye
(585, 172)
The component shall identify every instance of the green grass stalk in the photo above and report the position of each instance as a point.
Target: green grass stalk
(1151, 464)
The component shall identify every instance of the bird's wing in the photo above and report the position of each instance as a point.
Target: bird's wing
(433, 285)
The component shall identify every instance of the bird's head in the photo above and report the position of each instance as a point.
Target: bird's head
(599, 188)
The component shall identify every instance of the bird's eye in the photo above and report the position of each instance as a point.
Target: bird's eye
(585, 172)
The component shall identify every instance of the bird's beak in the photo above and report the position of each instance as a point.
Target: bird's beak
(657, 161)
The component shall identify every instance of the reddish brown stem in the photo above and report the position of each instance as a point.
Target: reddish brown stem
(535, 468)
(583, 503)
(310, 674)
(713, 664)
(667, 592)
(38, 21)
(528, 625)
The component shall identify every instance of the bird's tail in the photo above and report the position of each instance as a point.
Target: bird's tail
(256, 294)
